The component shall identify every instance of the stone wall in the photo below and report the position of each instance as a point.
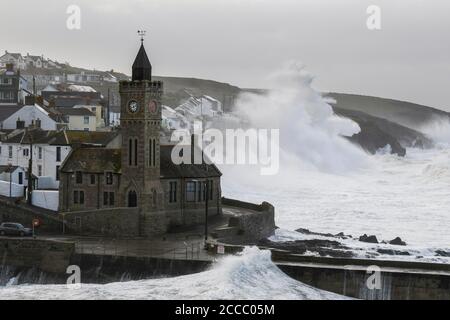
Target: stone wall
(46, 255)
(14, 210)
(256, 221)
(114, 222)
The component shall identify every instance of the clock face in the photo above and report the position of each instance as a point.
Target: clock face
(133, 106)
(152, 107)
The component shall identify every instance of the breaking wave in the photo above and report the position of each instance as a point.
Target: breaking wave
(249, 275)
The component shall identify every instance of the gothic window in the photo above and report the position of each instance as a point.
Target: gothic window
(132, 199)
(135, 152)
(92, 177)
(130, 152)
(152, 152)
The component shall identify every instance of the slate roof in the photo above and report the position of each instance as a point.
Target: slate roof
(170, 170)
(8, 169)
(99, 160)
(7, 110)
(93, 160)
(76, 112)
(60, 138)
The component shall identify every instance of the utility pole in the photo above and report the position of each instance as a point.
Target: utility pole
(108, 109)
(10, 180)
(30, 169)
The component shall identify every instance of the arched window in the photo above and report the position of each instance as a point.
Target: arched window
(135, 152)
(132, 199)
(152, 152)
(130, 152)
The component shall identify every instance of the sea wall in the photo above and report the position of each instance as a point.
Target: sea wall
(255, 222)
(392, 285)
(28, 253)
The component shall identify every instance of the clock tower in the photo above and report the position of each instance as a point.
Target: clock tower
(140, 121)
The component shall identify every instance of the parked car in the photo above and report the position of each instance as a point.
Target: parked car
(14, 229)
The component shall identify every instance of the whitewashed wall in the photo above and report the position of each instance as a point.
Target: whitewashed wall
(45, 199)
(17, 190)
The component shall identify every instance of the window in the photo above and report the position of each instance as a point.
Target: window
(78, 177)
(152, 152)
(108, 198)
(130, 151)
(86, 129)
(58, 154)
(92, 179)
(57, 173)
(20, 177)
(78, 197)
(109, 178)
(39, 170)
(86, 120)
(173, 192)
(0, 149)
(40, 153)
(190, 191)
(26, 152)
(135, 151)
(10, 152)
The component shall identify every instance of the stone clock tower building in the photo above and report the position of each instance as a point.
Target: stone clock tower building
(128, 185)
(140, 126)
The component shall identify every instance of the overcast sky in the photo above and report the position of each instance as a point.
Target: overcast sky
(241, 42)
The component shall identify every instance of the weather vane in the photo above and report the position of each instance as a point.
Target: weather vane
(141, 33)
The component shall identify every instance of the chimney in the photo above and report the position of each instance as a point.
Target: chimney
(30, 100)
(20, 124)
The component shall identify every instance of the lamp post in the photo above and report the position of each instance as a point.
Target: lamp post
(206, 213)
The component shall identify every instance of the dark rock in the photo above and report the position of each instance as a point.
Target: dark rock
(306, 231)
(321, 247)
(442, 253)
(393, 252)
(398, 242)
(369, 239)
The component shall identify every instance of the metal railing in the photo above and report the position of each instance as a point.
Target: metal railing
(136, 248)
